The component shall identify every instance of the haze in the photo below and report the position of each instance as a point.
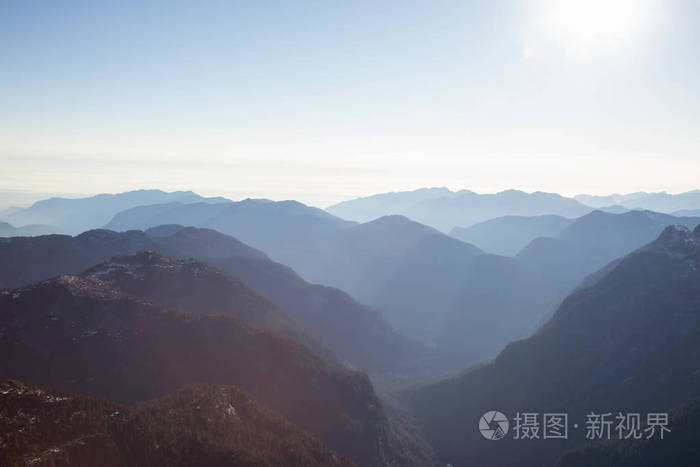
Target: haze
(323, 102)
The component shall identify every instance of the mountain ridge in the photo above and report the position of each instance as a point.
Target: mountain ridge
(329, 315)
(444, 209)
(61, 332)
(626, 343)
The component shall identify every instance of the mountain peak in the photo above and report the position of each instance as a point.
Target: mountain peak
(679, 240)
(136, 265)
(393, 223)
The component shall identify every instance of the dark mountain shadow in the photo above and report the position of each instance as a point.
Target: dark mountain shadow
(628, 343)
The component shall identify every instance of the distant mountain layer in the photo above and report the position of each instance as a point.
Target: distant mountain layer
(201, 425)
(284, 230)
(591, 242)
(444, 210)
(444, 292)
(688, 213)
(659, 202)
(453, 296)
(82, 334)
(628, 343)
(74, 216)
(329, 315)
(509, 234)
(7, 230)
(597, 201)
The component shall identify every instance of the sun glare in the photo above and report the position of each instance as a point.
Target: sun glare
(586, 26)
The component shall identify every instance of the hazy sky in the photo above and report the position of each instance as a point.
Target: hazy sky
(323, 101)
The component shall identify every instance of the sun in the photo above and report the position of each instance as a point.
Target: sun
(586, 26)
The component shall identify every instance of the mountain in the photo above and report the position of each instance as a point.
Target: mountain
(285, 230)
(444, 209)
(614, 209)
(201, 425)
(195, 287)
(665, 202)
(509, 234)
(459, 300)
(77, 215)
(628, 343)
(26, 260)
(444, 292)
(591, 242)
(80, 334)
(678, 448)
(363, 256)
(687, 213)
(7, 230)
(596, 201)
(385, 204)
(328, 315)
(659, 202)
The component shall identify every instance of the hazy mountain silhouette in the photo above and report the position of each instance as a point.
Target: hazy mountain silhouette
(597, 201)
(7, 230)
(80, 334)
(590, 242)
(425, 282)
(368, 208)
(614, 209)
(444, 210)
(202, 425)
(659, 202)
(687, 213)
(73, 216)
(627, 344)
(509, 234)
(284, 230)
(329, 315)
(465, 303)
(445, 292)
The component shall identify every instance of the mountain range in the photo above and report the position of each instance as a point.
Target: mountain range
(73, 216)
(660, 202)
(508, 235)
(328, 315)
(444, 209)
(284, 230)
(626, 343)
(271, 308)
(448, 294)
(7, 230)
(440, 208)
(195, 287)
(91, 334)
(454, 297)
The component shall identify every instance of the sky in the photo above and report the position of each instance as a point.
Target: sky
(323, 101)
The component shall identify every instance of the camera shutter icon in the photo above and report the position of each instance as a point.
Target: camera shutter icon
(493, 425)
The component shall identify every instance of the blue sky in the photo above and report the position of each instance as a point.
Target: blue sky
(322, 101)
